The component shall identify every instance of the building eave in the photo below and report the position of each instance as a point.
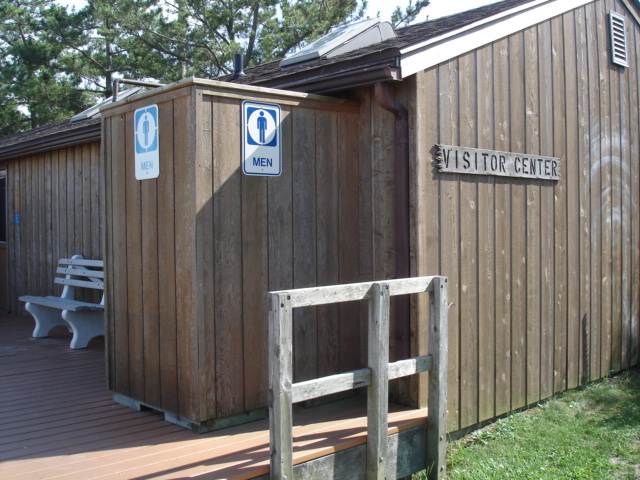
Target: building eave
(340, 81)
(75, 134)
(422, 55)
(634, 9)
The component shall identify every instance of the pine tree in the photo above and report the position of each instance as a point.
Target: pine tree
(57, 62)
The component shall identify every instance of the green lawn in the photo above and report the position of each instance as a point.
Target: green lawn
(589, 433)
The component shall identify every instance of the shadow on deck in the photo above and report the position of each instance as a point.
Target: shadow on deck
(58, 420)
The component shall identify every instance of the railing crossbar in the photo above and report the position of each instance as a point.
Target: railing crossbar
(343, 382)
(337, 383)
(315, 296)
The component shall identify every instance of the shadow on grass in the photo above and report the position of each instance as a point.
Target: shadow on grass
(616, 400)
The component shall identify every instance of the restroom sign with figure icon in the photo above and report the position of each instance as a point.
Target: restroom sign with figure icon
(261, 139)
(146, 137)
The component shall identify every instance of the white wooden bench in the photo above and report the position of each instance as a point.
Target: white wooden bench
(86, 320)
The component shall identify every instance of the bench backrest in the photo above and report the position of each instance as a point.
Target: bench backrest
(79, 272)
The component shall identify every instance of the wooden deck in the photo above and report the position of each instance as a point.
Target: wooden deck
(58, 420)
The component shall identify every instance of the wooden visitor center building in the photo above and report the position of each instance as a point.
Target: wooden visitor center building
(498, 147)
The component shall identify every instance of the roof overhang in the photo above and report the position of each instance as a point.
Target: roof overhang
(420, 56)
(341, 76)
(343, 81)
(633, 6)
(68, 136)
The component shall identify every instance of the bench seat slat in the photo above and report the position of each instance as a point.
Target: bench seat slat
(97, 284)
(63, 303)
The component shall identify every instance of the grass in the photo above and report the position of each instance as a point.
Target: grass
(589, 433)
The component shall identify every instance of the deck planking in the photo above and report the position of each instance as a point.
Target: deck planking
(58, 420)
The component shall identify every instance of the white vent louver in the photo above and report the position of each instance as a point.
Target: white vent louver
(618, 39)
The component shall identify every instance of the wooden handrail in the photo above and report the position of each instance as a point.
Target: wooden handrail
(284, 393)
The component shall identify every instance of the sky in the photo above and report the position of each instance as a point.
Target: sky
(437, 8)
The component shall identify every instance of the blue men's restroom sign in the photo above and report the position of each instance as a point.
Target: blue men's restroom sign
(146, 135)
(261, 140)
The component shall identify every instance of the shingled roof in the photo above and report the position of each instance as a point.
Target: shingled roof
(378, 62)
(42, 139)
(82, 128)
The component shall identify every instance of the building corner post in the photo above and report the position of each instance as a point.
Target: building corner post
(401, 176)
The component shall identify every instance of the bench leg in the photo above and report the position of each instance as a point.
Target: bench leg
(85, 326)
(46, 318)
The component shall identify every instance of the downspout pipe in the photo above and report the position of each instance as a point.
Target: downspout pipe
(401, 173)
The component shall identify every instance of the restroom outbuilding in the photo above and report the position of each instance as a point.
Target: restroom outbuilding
(192, 251)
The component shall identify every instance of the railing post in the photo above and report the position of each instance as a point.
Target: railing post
(378, 398)
(438, 342)
(280, 381)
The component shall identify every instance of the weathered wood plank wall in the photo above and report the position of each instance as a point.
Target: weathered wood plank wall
(530, 262)
(194, 252)
(56, 195)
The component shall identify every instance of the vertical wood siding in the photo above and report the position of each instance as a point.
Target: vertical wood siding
(56, 195)
(533, 263)
(194, 252)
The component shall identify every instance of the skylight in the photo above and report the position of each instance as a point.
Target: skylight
(346, 38)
